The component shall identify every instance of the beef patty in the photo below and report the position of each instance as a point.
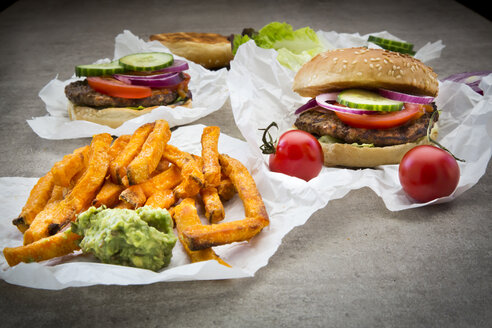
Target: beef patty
(81, 94)
(327, 123)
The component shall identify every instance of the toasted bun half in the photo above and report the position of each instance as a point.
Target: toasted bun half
(365, 68)
(347, 155)
(210, 50)
(112, 117)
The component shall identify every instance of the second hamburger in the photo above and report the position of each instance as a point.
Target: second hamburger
(136, 84)
(368, 107)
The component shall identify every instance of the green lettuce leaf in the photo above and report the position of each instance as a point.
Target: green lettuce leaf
(294, 47)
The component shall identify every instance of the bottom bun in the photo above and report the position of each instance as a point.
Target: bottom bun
(112, 117)
(347, 155)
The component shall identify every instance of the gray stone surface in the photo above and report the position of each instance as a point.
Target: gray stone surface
(353, 264)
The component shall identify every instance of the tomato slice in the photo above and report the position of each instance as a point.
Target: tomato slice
(382, 121)
(115, 88)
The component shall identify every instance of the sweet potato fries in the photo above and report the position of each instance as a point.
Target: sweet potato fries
(132, 171)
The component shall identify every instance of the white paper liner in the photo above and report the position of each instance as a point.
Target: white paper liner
(260, 92)
(209, 92)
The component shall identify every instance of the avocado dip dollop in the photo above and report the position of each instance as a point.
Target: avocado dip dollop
(141, 238)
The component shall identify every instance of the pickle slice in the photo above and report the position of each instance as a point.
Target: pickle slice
(365, 99)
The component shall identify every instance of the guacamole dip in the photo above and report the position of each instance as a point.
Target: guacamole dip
(141, 238)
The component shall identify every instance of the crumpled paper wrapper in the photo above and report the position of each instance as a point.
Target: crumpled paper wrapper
(208, 88)
(260, 92)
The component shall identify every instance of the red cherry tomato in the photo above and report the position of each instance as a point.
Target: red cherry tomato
(115, 88)
(297, 154)
(427, 172)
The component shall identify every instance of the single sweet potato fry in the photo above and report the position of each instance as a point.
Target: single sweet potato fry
(38, 197)
(185, 215)
(63, 171)
(161, 199)
(245, 186)
(59, 244)
(118, 145)
(134, 195)
(108, 195)
(147, 160)
(118, 166)
(57, 194)
(226, 189)
(123, 204)
(214, 209)
(210, 156)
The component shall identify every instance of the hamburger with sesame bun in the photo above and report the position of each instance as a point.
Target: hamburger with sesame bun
(368, 107)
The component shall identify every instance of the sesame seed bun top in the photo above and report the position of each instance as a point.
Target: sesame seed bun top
(365, 68)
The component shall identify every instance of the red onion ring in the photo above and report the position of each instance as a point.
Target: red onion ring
(325, 100)
(153, 81)
(331, 96)
(310, 104)
(472, 79)
(399, 96)
(177, 66)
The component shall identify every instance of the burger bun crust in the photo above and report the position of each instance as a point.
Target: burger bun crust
(365, 68)
(210, 50)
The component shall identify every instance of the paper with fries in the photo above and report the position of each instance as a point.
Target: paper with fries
(187, 172)
(208, 88)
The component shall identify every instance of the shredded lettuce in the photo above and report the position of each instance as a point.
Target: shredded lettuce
(294, 47)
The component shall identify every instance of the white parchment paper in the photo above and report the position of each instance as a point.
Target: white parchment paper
(83, 270)
(208, 88)
(260, 92)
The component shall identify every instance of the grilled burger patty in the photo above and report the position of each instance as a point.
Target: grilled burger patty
(81, 94)
(327, 123)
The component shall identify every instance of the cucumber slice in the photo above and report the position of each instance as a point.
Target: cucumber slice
(147, 61)
(397, 49)
(390, 43)
(99, 69)
(364, 99)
